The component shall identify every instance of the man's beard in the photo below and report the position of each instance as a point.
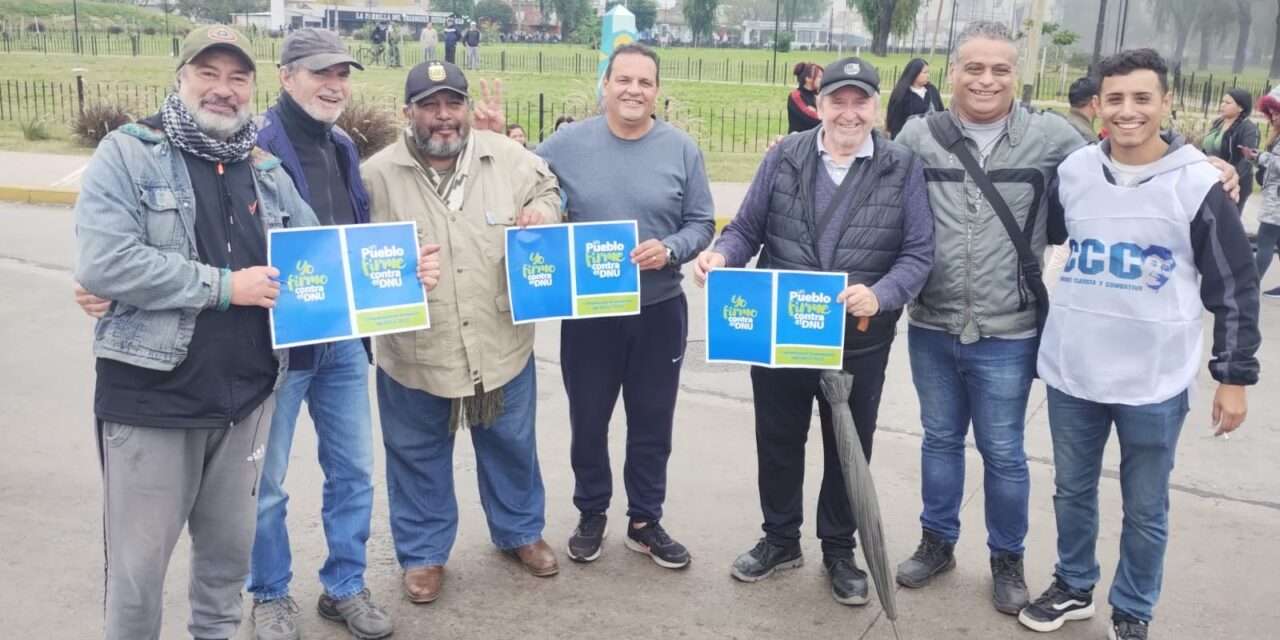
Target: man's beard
(214, 125)
(435, 149)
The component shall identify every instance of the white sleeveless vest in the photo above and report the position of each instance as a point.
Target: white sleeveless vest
(1124, 325)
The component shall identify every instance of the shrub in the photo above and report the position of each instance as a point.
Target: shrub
(97, 121)
(151, 31)
(372, 126)
(35, 129)
(115, 28)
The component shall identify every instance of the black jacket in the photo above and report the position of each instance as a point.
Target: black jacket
(912, 105)
(802, 111)
(1243, 132)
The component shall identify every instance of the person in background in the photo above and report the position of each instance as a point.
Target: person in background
(378, 38)
(561, 121)
(1268, 161)
(802, 104)
(450, 40)
(1084, 107)
(472, 39)
(429, 39)
(1232, 130)
(517, 133)
(913, 95)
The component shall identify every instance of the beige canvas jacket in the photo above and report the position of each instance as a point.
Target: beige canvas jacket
(471, 339)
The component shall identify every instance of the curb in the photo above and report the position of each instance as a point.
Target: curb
(38, 195)
(51, 195)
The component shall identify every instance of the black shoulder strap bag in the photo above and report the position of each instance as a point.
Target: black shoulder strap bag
(948, 135)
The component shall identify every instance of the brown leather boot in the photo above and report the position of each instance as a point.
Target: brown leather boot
(538, 558)
(422, 584)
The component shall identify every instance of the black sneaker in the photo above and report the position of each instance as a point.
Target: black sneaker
(765, 558)
(653, 541)
(1009, 586)
(585, 543)
(932, 557)
(1055, 607)
(1127, 629)
(1274, 292)
(848, 582)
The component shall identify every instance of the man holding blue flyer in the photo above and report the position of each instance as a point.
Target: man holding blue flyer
(838, 198)
(625, 165)
(463, 186)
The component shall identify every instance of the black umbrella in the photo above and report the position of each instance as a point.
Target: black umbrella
(836, 386)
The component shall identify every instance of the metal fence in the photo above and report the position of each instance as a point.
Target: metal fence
(717, 130)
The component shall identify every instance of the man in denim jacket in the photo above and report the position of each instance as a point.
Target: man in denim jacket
(171, 226)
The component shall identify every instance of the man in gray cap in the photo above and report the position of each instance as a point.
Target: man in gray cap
(333, 378)
(839, 198)
(171, 225)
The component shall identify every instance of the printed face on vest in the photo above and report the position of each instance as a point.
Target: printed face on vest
(1132, 106)
(982, 79)
(216, 88)
(1157, 266)
(322, 94)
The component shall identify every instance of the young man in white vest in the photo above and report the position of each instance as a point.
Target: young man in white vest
(1155, 240)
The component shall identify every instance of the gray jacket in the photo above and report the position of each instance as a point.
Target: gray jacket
(1270, 160)
(135, 243)
(976, 289)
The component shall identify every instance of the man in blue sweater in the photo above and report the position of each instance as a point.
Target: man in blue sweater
(840, 198)
(625, 165)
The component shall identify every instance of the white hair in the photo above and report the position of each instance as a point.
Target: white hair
(980, 30)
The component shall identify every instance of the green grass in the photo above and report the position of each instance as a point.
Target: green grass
(57, 14)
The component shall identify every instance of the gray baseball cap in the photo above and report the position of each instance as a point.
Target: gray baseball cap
(315, 49)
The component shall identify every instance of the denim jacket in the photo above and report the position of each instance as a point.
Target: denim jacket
(135, 243)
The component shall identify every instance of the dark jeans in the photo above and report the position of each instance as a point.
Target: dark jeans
(784, 409)
(1268, 238)
(640, 356)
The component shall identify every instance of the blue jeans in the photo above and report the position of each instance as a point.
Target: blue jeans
(424, 509)
(1148, 436)
(337, 395)
(986, 383)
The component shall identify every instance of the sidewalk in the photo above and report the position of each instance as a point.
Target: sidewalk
(45, 178)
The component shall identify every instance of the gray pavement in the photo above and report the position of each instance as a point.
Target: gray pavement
(1220, 574)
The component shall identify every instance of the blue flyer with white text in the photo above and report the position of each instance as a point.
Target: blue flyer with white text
(774, 318)
(346, 281)
(578, 270)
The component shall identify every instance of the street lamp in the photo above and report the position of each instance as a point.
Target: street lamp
(777, 13)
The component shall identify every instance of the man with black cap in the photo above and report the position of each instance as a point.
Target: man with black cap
(333, 378)
(842, 198)
(171, 225)
(464, 186)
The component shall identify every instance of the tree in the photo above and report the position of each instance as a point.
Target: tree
(571, 13)
(1213, 22)
(218, 10)
(1244, 20)
(646, 13)
(884, 18)
(1275, 47)
(793, 10)
(456, 7)
(1182, 14)
(497, 13)
(701, 17)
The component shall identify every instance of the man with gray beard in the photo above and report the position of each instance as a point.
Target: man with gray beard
(464, 186)
(171, 225)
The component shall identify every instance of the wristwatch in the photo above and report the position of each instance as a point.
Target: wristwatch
(671, 254)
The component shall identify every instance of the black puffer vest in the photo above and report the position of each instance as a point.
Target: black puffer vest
(870, 242)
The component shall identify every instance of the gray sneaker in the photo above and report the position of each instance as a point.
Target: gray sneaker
(364, 619)
(275, 619)
(932, 557)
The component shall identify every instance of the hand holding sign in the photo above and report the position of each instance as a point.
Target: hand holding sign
(530, 218)
(255, 287)
(707, 262)
(429, 266)
(859, 301)
(650, 255)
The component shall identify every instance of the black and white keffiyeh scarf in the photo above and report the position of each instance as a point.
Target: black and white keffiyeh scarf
(181, 128)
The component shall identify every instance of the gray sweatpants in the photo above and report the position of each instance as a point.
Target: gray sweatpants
(154, 482)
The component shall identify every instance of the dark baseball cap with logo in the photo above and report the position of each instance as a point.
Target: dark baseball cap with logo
(218, 36)
(850, 72)
(315, 49)
(428, 78)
